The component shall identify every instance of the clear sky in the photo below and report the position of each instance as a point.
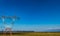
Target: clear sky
(36, 15)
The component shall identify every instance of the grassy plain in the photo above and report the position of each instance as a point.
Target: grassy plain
(35, 34)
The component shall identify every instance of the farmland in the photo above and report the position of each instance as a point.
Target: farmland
(34, 34)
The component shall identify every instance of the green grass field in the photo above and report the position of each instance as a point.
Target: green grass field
(35, 34)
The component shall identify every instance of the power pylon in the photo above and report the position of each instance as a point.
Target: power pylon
(8, 27)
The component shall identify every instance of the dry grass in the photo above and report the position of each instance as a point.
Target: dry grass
(36, 34)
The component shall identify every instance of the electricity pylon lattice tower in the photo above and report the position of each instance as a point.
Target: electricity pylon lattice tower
(8, 25)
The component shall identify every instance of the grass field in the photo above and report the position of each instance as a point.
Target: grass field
(35, 34)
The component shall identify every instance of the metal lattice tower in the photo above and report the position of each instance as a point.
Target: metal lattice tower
(8, 27)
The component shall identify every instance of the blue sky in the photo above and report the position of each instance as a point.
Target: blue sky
(36, 15)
